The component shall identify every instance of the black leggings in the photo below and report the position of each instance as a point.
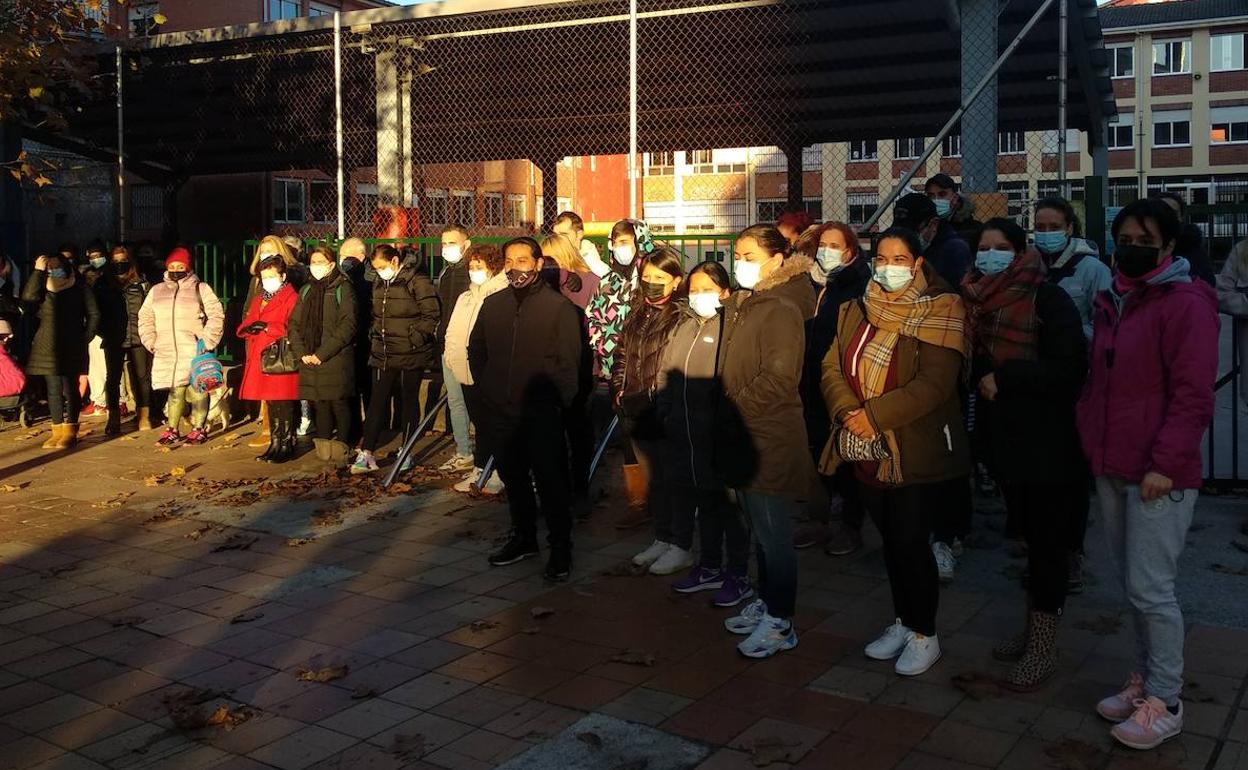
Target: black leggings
(140, 375)
(901, 514)
(1047, 513)
(64, 401)
(329, 415)
(386, 383)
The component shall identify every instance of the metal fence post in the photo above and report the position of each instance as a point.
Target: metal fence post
(121, 154)
(338, 120)
(632, 109)
(1062, 22)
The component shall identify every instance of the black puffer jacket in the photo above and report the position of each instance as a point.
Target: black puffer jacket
(844, 285)
(642, 342)
(119, 311)
(452, 282)
(334, 377)
(67, 319)
(406, 314)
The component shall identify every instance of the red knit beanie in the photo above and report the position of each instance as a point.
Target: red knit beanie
(178, 256)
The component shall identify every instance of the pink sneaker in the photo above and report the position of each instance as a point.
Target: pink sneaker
(1150, 725)
(170, 437)
(196, 437)
(1117, 708)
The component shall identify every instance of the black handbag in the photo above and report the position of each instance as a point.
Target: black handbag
(278, 358)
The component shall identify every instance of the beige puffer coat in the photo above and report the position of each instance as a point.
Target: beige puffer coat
(171, 322)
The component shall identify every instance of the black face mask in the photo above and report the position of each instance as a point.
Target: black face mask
(521, 279)
(121, 266)
(1136, 261)
(653, 292)
(178, 275)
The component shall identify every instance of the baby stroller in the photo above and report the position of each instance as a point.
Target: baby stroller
(12, 383)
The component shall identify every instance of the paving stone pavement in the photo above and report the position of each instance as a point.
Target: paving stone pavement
(135, 606)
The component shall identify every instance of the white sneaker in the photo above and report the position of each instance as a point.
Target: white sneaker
(1150, 725)
(651, 554)
(674, 559)
(365, 462)
(921, 653)
(465, 484)
(305, 426)
(456, 464)
(492, 487)
(745, 623)
(891, 642)
(945, 561)
(770, 636)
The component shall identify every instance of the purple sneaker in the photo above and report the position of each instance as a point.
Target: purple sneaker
(699, 579)
(734, 591)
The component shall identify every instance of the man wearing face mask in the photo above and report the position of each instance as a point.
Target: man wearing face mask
(953, 208)
(943, 249)
(353, 262)
(1148, 401)
(452, 282)
(524, 352)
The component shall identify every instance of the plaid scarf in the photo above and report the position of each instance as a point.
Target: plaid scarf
(937, 319)
(1001, 309)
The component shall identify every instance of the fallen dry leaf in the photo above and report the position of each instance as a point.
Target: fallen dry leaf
(530, 630)
(1075, 755)
(327, 674)
(295, 542)
(1101, 625)
(593, 740)
(28, 435)
(7, 488)
(236, 543)
(218, 447)
(128, 621)
(541, 612)
(976, 685)
(362, 692)
(177, 471)
(246, 617)
(770, 750)
(62, 569)
(328, 519)
(113, 502)
(634, 658)
(154, 480)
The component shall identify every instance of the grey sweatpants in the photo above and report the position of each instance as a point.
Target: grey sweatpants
(1145, 540)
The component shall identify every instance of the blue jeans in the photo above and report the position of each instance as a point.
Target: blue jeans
(458, 409)
(771, 517)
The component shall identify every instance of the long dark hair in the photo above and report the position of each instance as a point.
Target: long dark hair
(768, 237)
(906, 236)
(716, 271)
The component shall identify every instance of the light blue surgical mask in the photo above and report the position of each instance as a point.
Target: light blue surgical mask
(829, 258)
(1052, 241)
(993, 261)
(893, 277)
(943, 207)
(59, 273)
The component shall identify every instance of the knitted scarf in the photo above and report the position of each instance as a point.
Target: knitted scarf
(938, 319)
(1001, 309)
(314, 311)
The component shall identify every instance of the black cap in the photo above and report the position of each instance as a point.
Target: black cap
(913, 211)
(943, 181)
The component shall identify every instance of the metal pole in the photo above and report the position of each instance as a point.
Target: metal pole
(486, 472)
(1062, 23)
(602, 446)
(406, 449)
(121, 154)
(904, 182)
(338, 121)
(632, 109)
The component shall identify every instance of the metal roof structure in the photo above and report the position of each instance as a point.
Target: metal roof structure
(502, 79)
(1172, 12)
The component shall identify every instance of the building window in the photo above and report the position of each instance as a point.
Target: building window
(812, 158)
(770, 210)
(1011, 143)
(435, 202)
(1048, 141)
(1071, 189)
(1228, 125)
(323, 202)
(367, 199)
(1226, 52)
(320, 9)
(1016, 197)
(515, 211)
(860, 206)
(1121, 61)
(288, 202)
(951, 146)
(493, 209)
(660, 163)
(863, 149)
(1172, 128)
(143, 19)
(280, 10)
(1121, 133)
(147, 207)
(701, 158)
(463, 209)
(907, 149)
(1172, 57)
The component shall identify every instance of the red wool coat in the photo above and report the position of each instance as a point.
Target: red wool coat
(258, 386)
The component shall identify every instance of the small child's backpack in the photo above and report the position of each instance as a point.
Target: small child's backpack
(207, 374)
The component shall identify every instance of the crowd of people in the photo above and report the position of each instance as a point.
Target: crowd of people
(819, 382)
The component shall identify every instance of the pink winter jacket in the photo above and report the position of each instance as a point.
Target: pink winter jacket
(170, 323)
(12, 380)
(1149, 396)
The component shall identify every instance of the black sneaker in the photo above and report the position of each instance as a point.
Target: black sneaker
(516, 550)
(559, 566)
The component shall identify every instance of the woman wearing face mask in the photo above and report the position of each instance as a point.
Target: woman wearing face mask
(486, 278)
(1028, 361)
(686, 397)
(322, 338)
(270, 246)
(266, 322)
(121, 294)
(406, 314)
(178, 314)
(568, 272)
(840, 273)
(890, 381)
(1072, 262)
(760, 428)
(93, 387)
(655, 312)
(605, 316)
(67, 317)
(1147, 404)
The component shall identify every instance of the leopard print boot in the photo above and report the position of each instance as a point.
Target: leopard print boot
(1040, 661)
(1012, 649)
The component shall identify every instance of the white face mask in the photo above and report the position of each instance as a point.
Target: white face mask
(386, 273)
(98, 262)
(747, 273)
(894, 277)
(478, 277)
(829, 258)
(624, 253)
(319, 271)
(705, 303)
(271, 285)
(451, 253)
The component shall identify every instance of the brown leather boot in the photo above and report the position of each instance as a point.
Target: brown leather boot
(262, 438)
(636, 486)
(54, 439)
